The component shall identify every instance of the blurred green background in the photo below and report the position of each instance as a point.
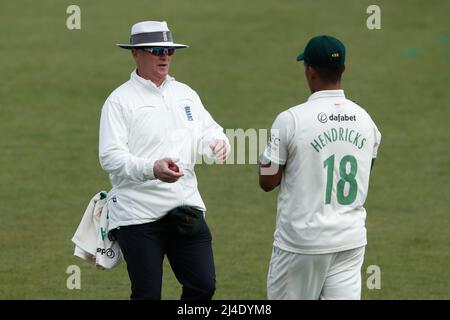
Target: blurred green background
(242, 63)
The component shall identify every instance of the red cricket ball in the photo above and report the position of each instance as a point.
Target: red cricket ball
(174, 167)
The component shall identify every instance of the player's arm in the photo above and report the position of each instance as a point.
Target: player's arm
(270, 175)
(377, 138)
(274, 157)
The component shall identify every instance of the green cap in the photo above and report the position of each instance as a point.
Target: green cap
(323, 51)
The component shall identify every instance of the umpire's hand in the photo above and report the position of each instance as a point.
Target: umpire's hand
(219, 149)
(167, 170)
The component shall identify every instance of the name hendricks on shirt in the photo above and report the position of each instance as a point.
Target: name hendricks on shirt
(338, 134)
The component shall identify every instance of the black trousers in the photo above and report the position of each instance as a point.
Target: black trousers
(191, 258)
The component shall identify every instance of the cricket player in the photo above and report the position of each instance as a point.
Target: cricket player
(320, 153)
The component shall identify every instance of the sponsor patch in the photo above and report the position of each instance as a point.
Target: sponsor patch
(187, 109)
(323, 117)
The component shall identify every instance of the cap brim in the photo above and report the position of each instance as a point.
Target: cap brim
(152, 44)
(301, 56)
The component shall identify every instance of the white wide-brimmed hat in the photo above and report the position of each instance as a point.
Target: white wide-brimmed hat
(151, 34)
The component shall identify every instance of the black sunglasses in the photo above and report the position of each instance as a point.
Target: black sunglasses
(159, 51)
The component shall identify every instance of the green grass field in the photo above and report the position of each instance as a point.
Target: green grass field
(242, 64)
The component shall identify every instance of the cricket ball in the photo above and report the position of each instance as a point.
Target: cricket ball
(174, 167)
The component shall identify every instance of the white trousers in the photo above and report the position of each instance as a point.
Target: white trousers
(333, 276)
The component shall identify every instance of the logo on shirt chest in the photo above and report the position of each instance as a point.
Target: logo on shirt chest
(188, 111)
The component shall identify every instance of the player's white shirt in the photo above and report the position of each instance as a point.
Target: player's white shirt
(327, 145)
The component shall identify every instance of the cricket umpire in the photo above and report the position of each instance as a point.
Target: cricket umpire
(320, 153)
(152, 128)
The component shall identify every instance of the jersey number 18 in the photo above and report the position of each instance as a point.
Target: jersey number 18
(345, 178)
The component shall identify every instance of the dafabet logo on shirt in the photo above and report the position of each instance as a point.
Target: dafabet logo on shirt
(323, 117)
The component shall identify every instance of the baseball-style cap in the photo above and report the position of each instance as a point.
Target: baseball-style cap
(323, 51)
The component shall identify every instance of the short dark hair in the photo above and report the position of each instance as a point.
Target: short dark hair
(329, 74)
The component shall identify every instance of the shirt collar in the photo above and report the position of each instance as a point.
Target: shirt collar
(149, 83)
(327, 94)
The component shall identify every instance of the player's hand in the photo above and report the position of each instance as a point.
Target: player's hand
(219, 149)
(167, 170)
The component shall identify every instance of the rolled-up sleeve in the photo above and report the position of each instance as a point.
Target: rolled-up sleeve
(115, 157)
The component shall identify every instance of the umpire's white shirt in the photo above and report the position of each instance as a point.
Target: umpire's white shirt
(141, 123)
(327, 145)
